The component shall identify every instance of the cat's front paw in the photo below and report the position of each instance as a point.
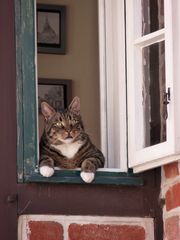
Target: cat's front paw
(87, 177)
(46, 171)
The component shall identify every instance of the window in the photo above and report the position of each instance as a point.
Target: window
(151, 83)
(140, 71)
(138, 89)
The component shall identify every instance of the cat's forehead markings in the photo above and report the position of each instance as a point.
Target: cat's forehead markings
(60, 117)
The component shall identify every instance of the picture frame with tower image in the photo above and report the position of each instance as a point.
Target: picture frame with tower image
(51, 29)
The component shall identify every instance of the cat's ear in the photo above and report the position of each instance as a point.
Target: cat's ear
(47, 110)
(75, 105)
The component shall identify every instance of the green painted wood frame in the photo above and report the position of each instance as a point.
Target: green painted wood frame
(27, 143)
(26, 88)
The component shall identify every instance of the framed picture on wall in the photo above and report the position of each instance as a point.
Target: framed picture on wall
(56, 92)
(51, 29)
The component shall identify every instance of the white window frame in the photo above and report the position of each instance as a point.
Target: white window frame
(113, 83)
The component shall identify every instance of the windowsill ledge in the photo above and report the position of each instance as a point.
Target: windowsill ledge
(102, 177)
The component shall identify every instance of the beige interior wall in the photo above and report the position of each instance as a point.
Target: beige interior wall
(80, 63)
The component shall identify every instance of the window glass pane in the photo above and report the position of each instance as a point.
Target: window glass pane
(153, 109)
(152, 15)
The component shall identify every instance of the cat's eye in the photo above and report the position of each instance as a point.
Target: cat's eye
(78, 126)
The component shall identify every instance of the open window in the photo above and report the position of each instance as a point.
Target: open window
(151, 84)
(138, 90)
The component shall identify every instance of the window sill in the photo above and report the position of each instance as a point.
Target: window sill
(73, 176)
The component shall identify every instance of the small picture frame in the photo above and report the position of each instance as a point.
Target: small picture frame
(51, 29)
(56, 92)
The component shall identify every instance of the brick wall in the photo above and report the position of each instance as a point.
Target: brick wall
(171, 194)
(58, 227)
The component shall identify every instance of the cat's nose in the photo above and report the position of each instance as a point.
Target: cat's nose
(69, 135)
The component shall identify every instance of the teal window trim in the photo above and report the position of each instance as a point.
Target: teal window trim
(27, 150)
(26, 88)
(104, 177)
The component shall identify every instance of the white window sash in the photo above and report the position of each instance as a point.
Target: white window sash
(162, 153)
(113, 86)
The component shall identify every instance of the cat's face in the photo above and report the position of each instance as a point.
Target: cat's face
(65, 126)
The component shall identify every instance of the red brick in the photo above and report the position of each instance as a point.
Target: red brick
(172, 228)
(173, 197)
(45, 230)
(105, 232)
(171, 170)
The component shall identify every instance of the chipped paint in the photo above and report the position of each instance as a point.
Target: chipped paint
(20, 175)
(26, 88)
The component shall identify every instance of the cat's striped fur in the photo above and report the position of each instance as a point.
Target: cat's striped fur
(65, 144)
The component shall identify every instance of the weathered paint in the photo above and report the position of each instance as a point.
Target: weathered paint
(19, 92)
(73, 176)
(26, 88)
(27, 157)
(26, 110)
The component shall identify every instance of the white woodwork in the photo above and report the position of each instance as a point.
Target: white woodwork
(153, 156)
(112, 83)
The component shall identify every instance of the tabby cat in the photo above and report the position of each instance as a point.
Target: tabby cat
(65, 144)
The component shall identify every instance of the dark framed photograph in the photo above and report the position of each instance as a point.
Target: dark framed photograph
(51, 28)
(56, 92)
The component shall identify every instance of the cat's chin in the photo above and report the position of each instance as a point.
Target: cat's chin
(87, 177)
(46, 171)
(67, 141)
